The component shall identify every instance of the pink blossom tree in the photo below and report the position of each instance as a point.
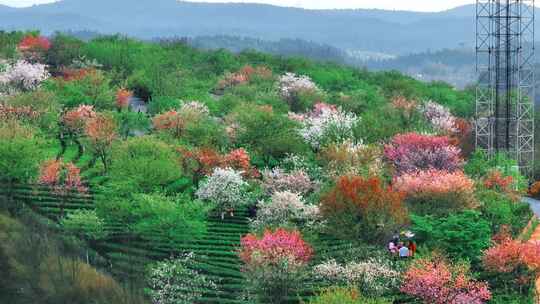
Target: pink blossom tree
(412, 152)
(274, 263)
(434, 280)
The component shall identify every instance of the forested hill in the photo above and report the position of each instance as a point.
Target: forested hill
(391, 32)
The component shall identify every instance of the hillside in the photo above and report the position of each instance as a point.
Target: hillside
(391, 32)
(208, 177)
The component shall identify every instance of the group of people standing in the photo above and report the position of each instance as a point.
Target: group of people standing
(400, 249)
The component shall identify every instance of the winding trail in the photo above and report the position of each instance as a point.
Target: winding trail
(535, 237)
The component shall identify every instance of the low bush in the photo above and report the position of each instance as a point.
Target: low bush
(462, 235)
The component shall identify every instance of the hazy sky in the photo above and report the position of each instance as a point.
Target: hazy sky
(415, 5)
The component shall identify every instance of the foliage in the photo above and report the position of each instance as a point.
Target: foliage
(21, 152)
(177, 218)
(496, 181)
(436, 192)
(93, 88)
(434, 280)
(144, 164)
(267, 135)
(480, 166)
(462, 235)
(225, 187)
(363, 207)
(412, 151)
(352, 159)
(174, 281)
(283, 210)
(374, 277)
(501, 210)
(342, 295)
(85, 223)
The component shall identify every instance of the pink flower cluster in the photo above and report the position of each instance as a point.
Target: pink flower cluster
(412, 152)
(435, 281)
(75, 120)
(509, 255)
(274, 248)
(432, 182)
(7, 112)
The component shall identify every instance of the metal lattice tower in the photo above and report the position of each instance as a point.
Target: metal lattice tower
(505, 91)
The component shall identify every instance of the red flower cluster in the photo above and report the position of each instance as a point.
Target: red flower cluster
(274, 248)
(101, 130)
(122, 98)
(368, 200)
(513, 256)
(75, 120)
(244, 75)
(9, 112)
(496, 181)
(204, 161)
(63, 177)
(34, 43)
(69, 74)
(436, 281)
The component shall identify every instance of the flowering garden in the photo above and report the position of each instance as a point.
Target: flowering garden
(245, 178)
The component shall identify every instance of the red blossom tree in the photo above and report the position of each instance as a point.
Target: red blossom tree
(62, 177)
(122, 98)
(33, 47)
(364, 207)
(515, 263)
(495, 180)
(101, 133)
(203, 161)
(434, 280)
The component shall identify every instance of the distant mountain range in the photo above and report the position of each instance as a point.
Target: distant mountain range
(375, 31)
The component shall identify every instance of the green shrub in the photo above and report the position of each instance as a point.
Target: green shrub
(161, 104)
(269, 136)
(21, 152)
(93, 89)
(462, 235)
(499, 210)
(345, 296)
(144, 164)
(85, 223)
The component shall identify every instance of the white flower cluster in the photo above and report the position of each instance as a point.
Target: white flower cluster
(174, 282)
(328, 125)
(225, 187)
(24, 75)
(290, 85)
(195, 106)
(439, 116)
(284, 208)
(277, 179)
(372, 277)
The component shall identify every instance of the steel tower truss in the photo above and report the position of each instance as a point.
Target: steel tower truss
(505, 90)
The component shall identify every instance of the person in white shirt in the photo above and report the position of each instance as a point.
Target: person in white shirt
(404, 252)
